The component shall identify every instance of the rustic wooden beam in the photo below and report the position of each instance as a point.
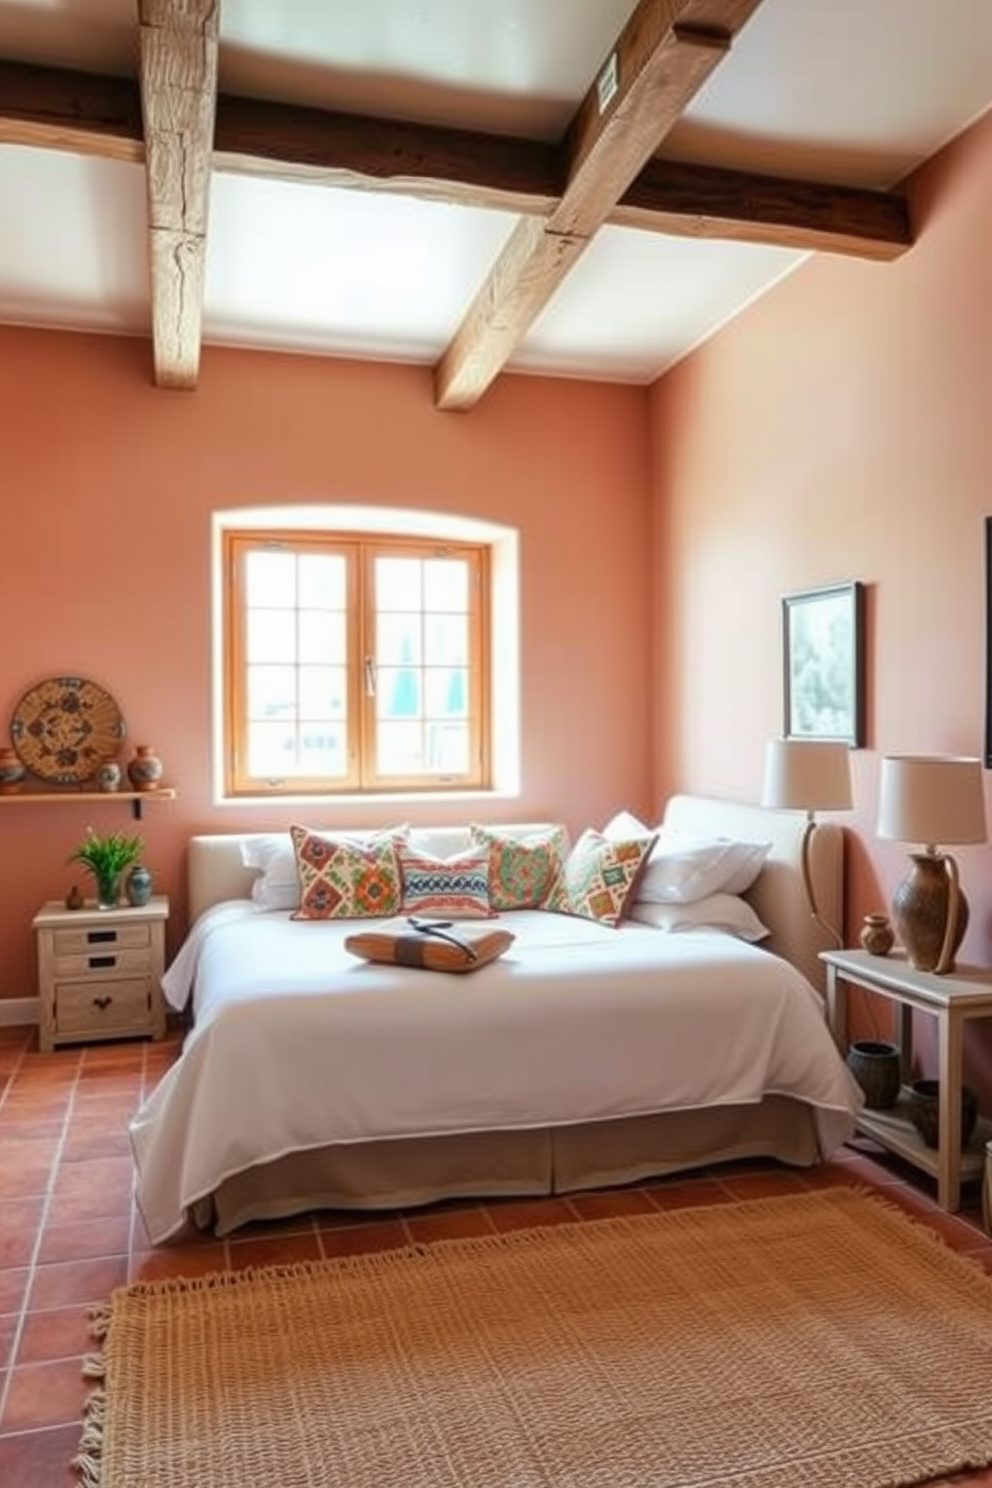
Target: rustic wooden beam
(102, 116)
(178, 99)
(708, 202)
(664, 54)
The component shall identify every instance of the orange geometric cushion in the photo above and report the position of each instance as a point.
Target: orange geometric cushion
(345, 878)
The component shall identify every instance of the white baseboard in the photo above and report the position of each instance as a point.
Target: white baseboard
(16, 1012)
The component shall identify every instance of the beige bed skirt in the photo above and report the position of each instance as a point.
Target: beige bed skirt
(413, 1172)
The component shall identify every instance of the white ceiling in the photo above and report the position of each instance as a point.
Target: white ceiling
(855, 92)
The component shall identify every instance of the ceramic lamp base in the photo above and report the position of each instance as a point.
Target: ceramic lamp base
(921, 907)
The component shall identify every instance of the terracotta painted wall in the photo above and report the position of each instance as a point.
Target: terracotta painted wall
(840, 429)
(108, 487)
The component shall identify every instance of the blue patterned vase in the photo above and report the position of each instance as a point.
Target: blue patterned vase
(139, 886)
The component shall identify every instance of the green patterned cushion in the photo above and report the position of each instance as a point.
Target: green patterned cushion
(346, 878)
(522, 869)
(599, 876)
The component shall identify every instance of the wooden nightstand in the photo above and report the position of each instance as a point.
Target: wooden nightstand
(952, 1000)
(100, 972)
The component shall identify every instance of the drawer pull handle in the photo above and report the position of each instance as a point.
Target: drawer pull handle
(100, 937)
(101, 963)
(102, 1003)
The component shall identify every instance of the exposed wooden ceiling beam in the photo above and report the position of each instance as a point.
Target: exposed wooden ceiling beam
(706, 202)
(102, 116)
(178, 100)
(664, 54)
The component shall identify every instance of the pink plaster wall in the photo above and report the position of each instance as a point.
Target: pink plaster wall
(840, 429)
(108, 488)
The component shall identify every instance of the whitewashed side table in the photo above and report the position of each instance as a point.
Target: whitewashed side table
(952, 1000)
(100, 972)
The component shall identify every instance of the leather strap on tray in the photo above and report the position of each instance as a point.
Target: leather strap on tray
(410, 952)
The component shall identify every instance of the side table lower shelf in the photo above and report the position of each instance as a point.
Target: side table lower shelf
(894, 1131)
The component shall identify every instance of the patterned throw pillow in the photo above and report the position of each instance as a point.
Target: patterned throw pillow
(457, 887)
(599, 876)
(522, 869)
(345, 878)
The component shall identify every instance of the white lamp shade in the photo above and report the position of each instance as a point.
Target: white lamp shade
(807, 775)
(931, 799)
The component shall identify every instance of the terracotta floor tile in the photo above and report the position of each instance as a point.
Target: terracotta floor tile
(278, 1250)
(522, 1214)
(449, 1224)
(87, 1140)
(26, 1167)
(684, 1193)
(611, 1204)
(385, 1234)
(50, 1394)
(8, 1332)
(112, 1174)
(19, 1220)
(157, 1265)
(89, 1203)
(65, 1284)
(85, 1240)
(773, 1184)
(57, 1333)
(13, 1286)
(40, 1459)
(12, 1130)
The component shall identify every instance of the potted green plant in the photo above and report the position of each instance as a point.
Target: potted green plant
(106, 858)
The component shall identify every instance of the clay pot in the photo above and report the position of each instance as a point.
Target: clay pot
(877, 935)
(145, 770)
(12, 772)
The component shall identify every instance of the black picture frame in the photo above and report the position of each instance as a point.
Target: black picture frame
(988, 643)
(823, 655)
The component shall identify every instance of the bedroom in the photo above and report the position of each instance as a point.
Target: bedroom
(837, 429)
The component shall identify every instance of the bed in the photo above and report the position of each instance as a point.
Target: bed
(313, 1080)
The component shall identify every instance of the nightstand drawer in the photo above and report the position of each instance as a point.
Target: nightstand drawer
(90, 1008)
(102, 961)
(96, 938)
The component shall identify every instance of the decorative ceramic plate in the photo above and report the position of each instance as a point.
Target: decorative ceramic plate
(65, 728)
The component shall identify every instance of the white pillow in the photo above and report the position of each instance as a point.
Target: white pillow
(277, 885)
(684, 867)
(725, 912)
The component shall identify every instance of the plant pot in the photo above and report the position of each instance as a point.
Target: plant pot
(877, 1067)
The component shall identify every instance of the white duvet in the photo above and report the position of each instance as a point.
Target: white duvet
(296, 1044)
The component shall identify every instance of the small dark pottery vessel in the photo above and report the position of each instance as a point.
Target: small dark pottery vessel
(876, 1067)
(923, 1112)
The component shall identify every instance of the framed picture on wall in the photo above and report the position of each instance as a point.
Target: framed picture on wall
(823, 649)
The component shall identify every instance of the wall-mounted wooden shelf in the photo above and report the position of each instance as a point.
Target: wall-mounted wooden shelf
(48, 797)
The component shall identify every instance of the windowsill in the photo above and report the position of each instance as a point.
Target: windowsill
(368, 798)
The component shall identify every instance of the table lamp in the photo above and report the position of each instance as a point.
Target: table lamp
(931, 799)
(808, 775)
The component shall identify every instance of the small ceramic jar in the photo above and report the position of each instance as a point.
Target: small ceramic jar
(138, 886)
(12, 772)
(877, 936)
(108, 777)
(145, 770)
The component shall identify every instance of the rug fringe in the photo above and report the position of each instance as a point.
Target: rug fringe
(88, 1461)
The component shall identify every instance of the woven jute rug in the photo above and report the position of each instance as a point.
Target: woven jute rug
(817, 1341)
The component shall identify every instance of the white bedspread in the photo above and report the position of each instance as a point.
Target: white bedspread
(296, 1044)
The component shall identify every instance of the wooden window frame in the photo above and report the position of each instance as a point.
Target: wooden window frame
(360, 550)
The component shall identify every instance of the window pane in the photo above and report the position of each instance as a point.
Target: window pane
(271, 635)
(446, 584)
(397, 639)
(271, 692)
(398, 692)
(270, 578)
(446, 692)
(323, 581)
(399, 748)
(322, 751)
(446, 640)
(398, 583)
(322, 637)
(271, 749)
(447, 748)
(323, 692)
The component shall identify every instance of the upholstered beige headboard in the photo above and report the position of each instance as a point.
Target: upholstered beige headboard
(215, 871)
